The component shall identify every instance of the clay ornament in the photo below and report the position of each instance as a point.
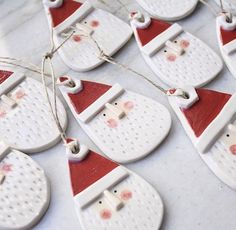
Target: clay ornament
(109, 196)
(26, 123)
(79, 52)
(126, 126)
(208, 118)
(24, 190)
(174, 55)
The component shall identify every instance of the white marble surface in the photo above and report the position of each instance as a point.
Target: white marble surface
(194, 198)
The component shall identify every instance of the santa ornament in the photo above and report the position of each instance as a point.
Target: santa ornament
(176, 56)
(79, 52)
(24, 190)
(126, 126)
(26, 123)
(169, 10)
(109, 196)
(208, 118)
(229, 5)
(226, 33)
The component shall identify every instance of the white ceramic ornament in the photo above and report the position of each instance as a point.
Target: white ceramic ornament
(176, 56)
(229, 5)
(226, 33)
(24, 190)
(208, 118)
(126, 126)
(109, 196)
(80, 53)
(169, 10)
(26, 123)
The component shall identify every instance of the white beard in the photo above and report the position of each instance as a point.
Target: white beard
(24, 194)
(111, 34)
(143, 211)
(191, 68)
(222, 163)
(30, 126)
(137, 134)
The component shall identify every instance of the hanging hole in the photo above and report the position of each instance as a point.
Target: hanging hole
(186, 95)
(71, 84)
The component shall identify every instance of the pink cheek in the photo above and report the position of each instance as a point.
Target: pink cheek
(7, 168)
(94, 23)
(77, 38)
(171, 57)
(2, 113)
(126, 195)
(112, 123)
(20, 94)
(233, 149)
(129, 105)
(105, 214)
(184, 44)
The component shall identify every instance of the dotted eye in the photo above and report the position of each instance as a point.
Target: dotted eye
(116, 103)
(115, 191)
(165, 51)
(100, 202)
(85, 22)
(104, 114)
(175, 41)
(227, 135)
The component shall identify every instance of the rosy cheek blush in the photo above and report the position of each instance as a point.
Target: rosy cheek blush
(94, 23)
(171, 57)
(233, 149)
(126, 195)
(184, 44)
(105, 214)
(20, 94)
(77, 38)
(129, 105)
(112, 123)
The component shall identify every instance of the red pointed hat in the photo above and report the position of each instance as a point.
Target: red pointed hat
(89, 93)
(88, 171)
(4, 75)
(155, 28)
(206, 109)
(61, 13)
(227, 35)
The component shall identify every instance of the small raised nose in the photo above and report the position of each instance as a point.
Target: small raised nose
(175, 48)
(114, 202)
(118, 112)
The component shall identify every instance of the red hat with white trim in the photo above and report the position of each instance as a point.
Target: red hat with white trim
(148, 28)
(203, 112)
(87, 97)
(88, 93)
(4, 75)
(91, 169)
(208, 115)
(9, 79)
(92, 174)
(60, 10)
